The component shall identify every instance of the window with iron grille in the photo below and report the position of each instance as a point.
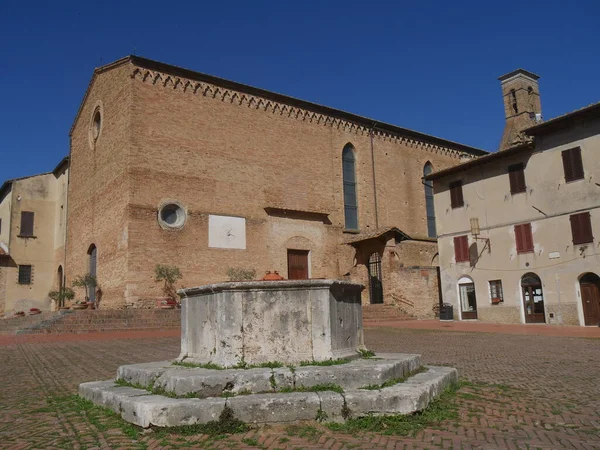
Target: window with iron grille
(461, 248)
(573, 164)
(524, 238)
(26, 224)
(516, 175)
(581, 228)
(456, 194)
(25, 275)
(496, 291)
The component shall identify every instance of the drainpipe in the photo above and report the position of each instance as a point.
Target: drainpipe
(374, 179)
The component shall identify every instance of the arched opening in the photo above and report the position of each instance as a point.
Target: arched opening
(468, 300)
(350, 197)
(375, 284)
(589, 286)
(92, 263)
(431, 231)
(533, 298)
(61, 285)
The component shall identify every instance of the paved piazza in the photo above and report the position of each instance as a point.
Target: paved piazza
(522, 391)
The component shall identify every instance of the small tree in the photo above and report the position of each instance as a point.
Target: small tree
(169, 276)
(64, 293)
(241, 274)
(87, 281)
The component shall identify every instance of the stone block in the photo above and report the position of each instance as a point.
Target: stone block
(143, 374)
(275, 408)
(263, 321)
(208, 383)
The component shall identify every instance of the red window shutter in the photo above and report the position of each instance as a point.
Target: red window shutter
(573, 164)
(524, 238)
(518, 239)
(456, 195)
(528, 237)
(577, 163)
(461, 248)
(26, 223)
(516, 175)
(581, 228)
(566, 157)
(575, 229)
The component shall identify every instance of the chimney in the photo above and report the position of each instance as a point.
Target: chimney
(522, 108)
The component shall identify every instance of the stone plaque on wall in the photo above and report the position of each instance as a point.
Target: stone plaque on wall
(226, 232)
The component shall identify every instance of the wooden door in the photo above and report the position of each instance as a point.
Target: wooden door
(468, 301)
(534, 304)
(590, 296)
(298, 264)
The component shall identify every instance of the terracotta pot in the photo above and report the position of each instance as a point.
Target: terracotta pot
(80, 306)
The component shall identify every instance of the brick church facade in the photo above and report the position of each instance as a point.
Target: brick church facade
(171, 166)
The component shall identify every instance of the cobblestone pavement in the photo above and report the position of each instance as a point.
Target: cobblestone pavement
(525, 392)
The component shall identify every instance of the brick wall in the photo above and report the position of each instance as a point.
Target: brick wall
(218, 154)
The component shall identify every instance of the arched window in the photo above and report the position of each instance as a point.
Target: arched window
(350, 199)
(431, 232)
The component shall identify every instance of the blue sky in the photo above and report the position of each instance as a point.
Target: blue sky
(429, 66)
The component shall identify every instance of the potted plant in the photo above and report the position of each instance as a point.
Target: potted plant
(60, 296)
(34, 311)
(19, 313)
(87, 282)
(168, 275)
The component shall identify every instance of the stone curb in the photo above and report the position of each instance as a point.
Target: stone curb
(210, 382)
(144, 409)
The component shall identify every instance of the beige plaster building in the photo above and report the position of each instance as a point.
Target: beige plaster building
(518, 230)
(171, 166)
(33, 217)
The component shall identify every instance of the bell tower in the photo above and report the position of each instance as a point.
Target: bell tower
(522, 107)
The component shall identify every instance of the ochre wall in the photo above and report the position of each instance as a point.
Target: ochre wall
(218, 153)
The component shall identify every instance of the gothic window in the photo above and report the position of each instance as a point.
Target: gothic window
(350, 198)
(431, 232)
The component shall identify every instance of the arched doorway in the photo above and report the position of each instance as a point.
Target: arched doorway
(589, 285)
(468, 300)
(533, 298)
(92, 252)
(375, 285)
(61, 286)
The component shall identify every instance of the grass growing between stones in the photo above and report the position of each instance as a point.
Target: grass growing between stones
(441, 409)
(315, 388)
(393, 381)
(241, 365)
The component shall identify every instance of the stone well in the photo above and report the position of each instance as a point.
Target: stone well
(295, 323)
(260, 321)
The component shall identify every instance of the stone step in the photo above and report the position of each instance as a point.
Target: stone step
(182, 381)
(144, 409)
(82, 321)
(12, 325)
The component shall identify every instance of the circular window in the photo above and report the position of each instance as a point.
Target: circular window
(96, 124)
(171, 215)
